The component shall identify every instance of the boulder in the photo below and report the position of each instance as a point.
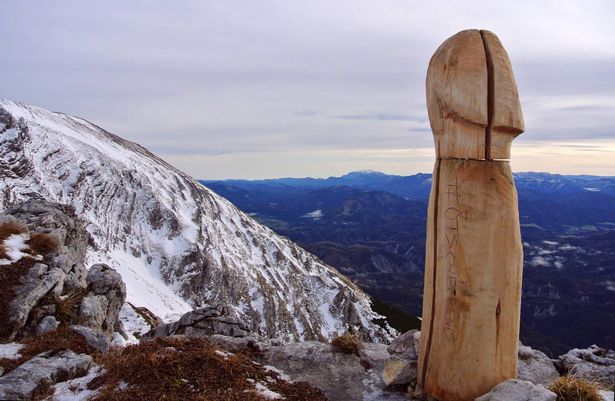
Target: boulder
(535, 367)
(44, 369)
(593, 364)
(40, 281)
(96, 339)
(406, 345)
(518, 390)
(401, 366)
(202, 322)
(100, 307)
(399, 371)
(48, 323)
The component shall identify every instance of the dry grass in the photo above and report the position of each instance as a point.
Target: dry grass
(67, 306)
(55, 340)
(569, 388)
(348, 343)
(9, 228)
(42, 243)
(177, 369)
(3, 254)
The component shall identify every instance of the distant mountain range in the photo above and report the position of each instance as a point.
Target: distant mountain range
(371, 226)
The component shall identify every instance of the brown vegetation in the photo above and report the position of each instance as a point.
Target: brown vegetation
(348, 343)
(9, 228)
(42, 243)
(3, 254)
(177, 369)
(55, 340)
(569, 388)
(66, 307)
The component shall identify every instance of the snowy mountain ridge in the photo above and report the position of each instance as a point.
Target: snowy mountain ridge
(176, 244)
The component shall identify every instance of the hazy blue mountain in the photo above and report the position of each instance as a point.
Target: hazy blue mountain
(417, 186)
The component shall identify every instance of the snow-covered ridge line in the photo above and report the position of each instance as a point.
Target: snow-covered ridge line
(177, 244)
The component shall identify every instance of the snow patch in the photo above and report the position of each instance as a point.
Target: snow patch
(10, 350)
(14, 245)
(76, 389)
(539, 261)
(144, 287)
(265, 392)
(316, 214)
(134, 323)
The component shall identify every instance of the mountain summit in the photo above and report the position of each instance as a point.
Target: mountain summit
(176, 244)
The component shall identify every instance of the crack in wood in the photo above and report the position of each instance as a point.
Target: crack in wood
(490, 95)
(436, 184)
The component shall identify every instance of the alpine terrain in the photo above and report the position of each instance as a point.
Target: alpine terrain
(177, 245)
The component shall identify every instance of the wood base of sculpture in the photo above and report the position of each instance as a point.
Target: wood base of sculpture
(473, 273)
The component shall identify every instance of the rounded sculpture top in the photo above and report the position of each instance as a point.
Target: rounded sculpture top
(472, 98)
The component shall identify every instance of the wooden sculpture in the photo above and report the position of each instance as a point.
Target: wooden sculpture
(474, 259)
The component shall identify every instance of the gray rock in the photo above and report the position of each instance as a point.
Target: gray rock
(60, 221)
(592, 364)
(48, 323)
(45, 368)
(39, 282)
(405, 346)
(100, 308)
(401, 367)
(202, 322)
(518, 390)
(535, 367)
(340, 376)
(93, 311)
(399, 371)
(94, 338)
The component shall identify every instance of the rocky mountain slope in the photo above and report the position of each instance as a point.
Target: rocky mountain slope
(176, 244)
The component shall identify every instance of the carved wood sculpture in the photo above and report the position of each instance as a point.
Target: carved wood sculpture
(474, 259)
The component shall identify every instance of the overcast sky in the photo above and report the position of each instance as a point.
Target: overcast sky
(259, 89)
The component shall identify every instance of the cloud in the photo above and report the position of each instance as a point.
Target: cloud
(383, 116)
(254, 80)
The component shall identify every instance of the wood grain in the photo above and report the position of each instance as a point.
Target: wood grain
(474, 257)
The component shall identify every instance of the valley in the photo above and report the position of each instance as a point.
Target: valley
(371, 227)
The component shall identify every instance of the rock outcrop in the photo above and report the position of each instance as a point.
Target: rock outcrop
(44, 369)
(202, 323)
(101, 305)
(56, 287)
(535, 367)
(518, 390)
(341, 376)
(594, 364)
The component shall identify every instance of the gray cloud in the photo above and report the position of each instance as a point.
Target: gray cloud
(213, 85)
